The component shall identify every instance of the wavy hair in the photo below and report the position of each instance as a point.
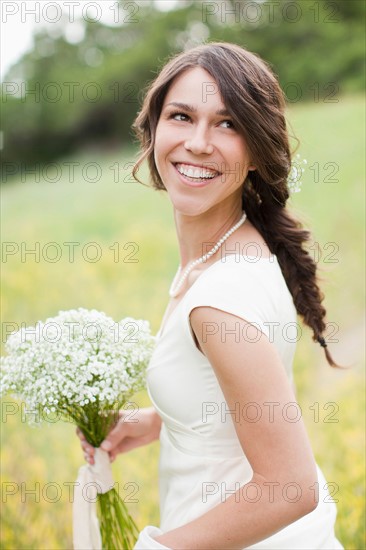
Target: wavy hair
(256, 103)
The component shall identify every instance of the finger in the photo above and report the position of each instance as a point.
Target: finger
(126, 445)
(87, 448)
(114, 437)
(80, 434)
(89, 458)
(89, 453)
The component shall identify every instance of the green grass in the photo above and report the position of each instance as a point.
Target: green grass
(109, 212)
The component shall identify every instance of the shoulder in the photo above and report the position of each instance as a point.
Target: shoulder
(235, 289)
(245, 247)
(251, 242)
(240, 285)
(236, 272)
(249, 290)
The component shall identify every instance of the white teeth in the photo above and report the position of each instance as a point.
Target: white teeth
(196, 172)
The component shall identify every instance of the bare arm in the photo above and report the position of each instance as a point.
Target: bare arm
(277, 449)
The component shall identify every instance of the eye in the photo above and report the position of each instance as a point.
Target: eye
(228, 124)
(178, 116)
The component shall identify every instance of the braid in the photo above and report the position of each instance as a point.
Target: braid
(264, 206)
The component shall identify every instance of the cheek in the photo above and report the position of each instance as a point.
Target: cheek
(159, 147)
(157, 152)
(241, 157)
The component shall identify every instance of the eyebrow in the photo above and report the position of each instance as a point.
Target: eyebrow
(190, 109)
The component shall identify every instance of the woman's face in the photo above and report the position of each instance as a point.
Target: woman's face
(200, 156)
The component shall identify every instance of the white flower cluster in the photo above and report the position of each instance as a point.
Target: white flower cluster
(77, 358)
(295, 175)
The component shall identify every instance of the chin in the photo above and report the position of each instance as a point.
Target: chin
(187, 206)
(192, 209)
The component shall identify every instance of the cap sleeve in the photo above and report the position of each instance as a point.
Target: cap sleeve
(249, 289)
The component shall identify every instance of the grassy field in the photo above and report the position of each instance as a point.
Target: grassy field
(113, 221)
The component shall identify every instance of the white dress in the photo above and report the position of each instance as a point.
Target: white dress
(200, 453)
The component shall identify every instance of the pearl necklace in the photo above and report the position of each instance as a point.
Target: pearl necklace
(175, 287)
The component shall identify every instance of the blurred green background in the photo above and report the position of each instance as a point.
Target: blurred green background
(82, 192)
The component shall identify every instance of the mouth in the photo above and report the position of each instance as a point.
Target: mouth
(196, 174)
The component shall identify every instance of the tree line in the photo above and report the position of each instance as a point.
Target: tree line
(66, 94)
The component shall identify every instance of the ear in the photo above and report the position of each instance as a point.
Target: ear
(252, 168)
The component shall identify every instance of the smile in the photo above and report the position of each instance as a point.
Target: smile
(196, 173)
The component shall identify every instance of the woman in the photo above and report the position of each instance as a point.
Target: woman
(236, 466)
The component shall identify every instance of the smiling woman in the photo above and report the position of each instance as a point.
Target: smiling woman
(236, 466)
(198, 146)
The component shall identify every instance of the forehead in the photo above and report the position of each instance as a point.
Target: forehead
(195, 86)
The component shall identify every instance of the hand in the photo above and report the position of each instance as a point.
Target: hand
(129, 432)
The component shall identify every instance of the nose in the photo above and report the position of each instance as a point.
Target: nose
(198, 142)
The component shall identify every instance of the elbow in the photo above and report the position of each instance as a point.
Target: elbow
(309, 496)
(309, 505)
(296, 498)
(300, 495)
(296, 509)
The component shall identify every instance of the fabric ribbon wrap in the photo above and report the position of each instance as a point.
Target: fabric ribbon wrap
(92, 479)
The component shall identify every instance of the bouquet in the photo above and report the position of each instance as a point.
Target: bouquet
(84, 367)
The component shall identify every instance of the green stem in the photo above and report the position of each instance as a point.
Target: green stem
(118, 530)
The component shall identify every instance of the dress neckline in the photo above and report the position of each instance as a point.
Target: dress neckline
(162, 328)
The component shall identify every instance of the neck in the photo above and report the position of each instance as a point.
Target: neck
(198, 234)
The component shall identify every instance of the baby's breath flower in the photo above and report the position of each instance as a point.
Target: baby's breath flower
(297, 169)
(76, 358)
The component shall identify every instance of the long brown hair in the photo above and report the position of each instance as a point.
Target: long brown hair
(255, 101)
